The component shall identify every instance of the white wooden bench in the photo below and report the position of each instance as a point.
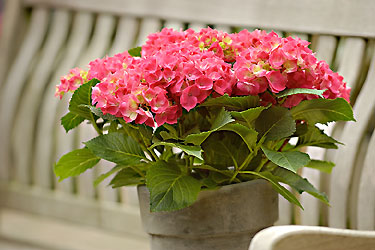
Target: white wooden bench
(43, 39)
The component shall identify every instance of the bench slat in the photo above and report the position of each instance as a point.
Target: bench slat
(26, 117)
(318, 17)
(366, 197)
(346, 155)
(53, 109)
(97, 48)
(13, 85)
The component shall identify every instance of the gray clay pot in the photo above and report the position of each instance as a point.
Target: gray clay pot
(222, 219)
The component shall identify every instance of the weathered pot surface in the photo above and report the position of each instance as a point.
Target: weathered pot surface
(222, 219)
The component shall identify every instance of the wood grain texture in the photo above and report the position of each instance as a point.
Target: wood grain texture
(319, 16)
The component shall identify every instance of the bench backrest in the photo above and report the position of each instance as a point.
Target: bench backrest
(43, 39)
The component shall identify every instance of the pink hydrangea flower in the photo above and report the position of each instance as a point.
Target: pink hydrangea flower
(181, 69)
(71, 82)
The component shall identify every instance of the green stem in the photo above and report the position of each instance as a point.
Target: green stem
(262, 164)
(138, 171)
(244, 164)
(187, 165)
(141, 143)
(153, 154)
(246, 161)
(95, 125)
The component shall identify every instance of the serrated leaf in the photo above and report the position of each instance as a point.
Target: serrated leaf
(195, 151)
(224, 149)
(247, 134)
(288, 160)
(135, 52)
(117, 147)
(247, 117)
(127, 177)
(82, 97)
(170, 188)
(70, 121)
(323, 111)
(104, 176)
(232, 103)
(275, 123)
(275, 184)
(300, 184)
(75, 163)
(295, 91)
(221, 119)
(97, 111)
(316, 138)
(168, 136)
(324, 166)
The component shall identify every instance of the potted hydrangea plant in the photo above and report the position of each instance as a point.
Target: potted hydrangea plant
(202, 123)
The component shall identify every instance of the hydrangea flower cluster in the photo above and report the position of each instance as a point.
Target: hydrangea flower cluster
(180, 69)
(71, 82)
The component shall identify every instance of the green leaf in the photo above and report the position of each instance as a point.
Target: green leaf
(324, 166)
(212, 169)
(190, 150)
(224, 149)
(232, 103)
(75, 163)
(295, 91)
(275, 184)
(209, 183)
(289, 160)
(127, 177)
(215, 177)
(70, 121)
(104, 176)
(113, 127)
(135, 52)
(170, 188)
(116, 147)
(221, 119)
(98, 112)
(82, 97)
(275, 123)
(247, 134)
(248, 117)
(316, 137)
(193, 123)
(168, 136)
(300, 184)
(323, 111)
